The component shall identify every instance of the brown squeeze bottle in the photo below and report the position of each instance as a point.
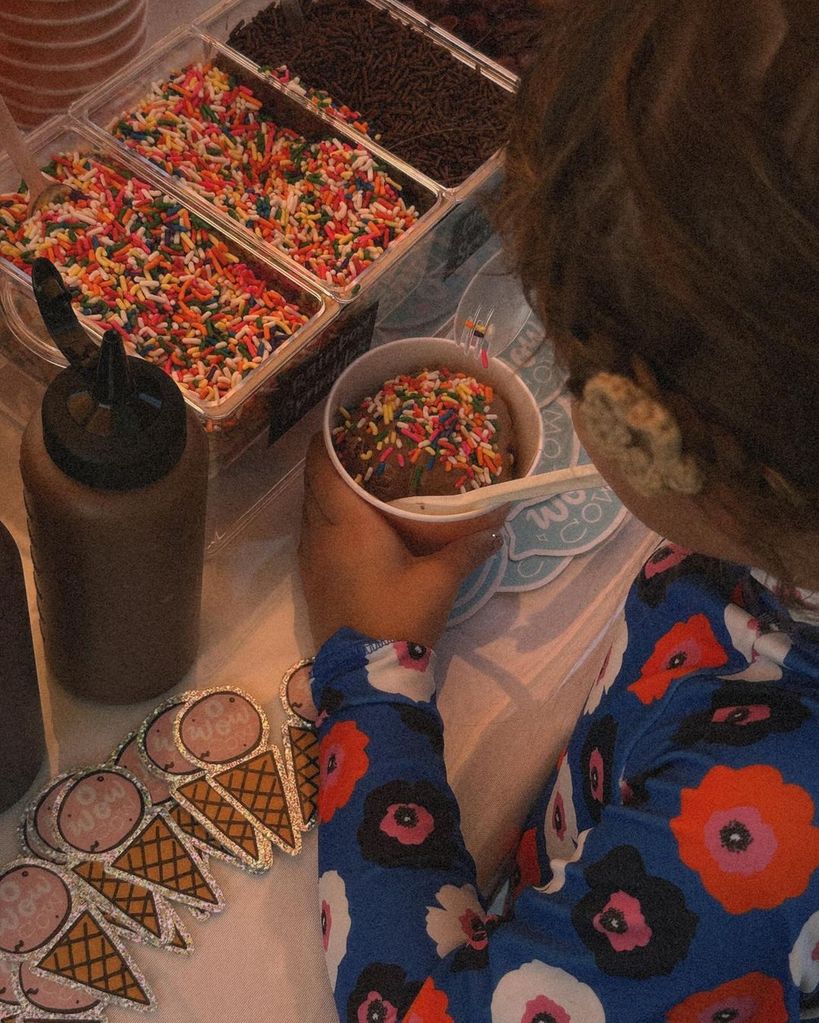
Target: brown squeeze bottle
(22, 741)
(115, 478)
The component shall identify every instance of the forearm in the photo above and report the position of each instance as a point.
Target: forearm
(389, 830)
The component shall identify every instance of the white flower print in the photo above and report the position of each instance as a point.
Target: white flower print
(335, 921)
(559, 866)
(404, 668)
(804, 957)
(453, 921)
(536, 991)
(764, 652)
(610, 667)
(560, 824)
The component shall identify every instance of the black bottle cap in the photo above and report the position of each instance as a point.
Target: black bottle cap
(109, 420)
(120, 427)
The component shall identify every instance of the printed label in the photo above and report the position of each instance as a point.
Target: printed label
(304, 386)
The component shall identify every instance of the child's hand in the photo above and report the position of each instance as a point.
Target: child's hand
(357, 572)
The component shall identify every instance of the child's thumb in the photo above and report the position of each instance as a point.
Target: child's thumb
(463, 556)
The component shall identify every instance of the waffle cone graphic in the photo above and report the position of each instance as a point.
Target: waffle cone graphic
(158, 857)
(222, 815)
(179, 940)
(304, 747)
(135, 901)
(86, 955)
(255, 784)
(191, 827)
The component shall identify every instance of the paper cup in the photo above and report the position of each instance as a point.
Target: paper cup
(81, 76)
(425, 533)
(68, 27)
(60, 48)
(30, 9)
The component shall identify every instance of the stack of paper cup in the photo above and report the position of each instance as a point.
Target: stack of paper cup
(52, 51)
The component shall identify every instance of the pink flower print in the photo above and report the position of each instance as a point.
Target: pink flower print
(457, 920)
(335, 921)
(622, 922)
(408, 823)
(537, 991)
(402, 668)
(560, 824)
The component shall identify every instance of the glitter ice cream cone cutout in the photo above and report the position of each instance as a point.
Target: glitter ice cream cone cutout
(45, 995)
(160, 859)
(225, 732)
(46, 926)
(38, 826)
(106, 818)
(302, 754)
(128, 756)
(85, 954)
(198, 807)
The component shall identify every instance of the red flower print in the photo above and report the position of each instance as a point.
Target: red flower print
(527, 868)
(754, 998)
(430, 1006)
(342, 764)
(749, 836)
(685, 648)
(412, 655)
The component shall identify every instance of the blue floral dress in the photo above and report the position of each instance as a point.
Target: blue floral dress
(668, 871)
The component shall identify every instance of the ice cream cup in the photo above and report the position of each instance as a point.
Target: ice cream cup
(425, 533)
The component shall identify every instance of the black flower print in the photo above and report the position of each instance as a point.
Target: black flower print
(742, 713)
(666, 564)
(633, 791)
(635, 924)
(408, 824)
(474, 955)
(331, 700)
(382, 994)
(596, 759)
(422, 721)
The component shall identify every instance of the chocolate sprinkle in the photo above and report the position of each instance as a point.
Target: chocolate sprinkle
(505, 30)
(421, 102)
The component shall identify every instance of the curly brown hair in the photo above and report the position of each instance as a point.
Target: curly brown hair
(661, 205)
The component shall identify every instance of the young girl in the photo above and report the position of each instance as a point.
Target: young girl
(662, 205)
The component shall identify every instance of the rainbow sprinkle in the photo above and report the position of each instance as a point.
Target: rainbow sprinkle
(327, 204)
(141, 263)
(434, 418)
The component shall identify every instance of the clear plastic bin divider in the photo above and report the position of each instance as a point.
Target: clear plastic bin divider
(236, 420)
(100, 109)
(219, 22)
